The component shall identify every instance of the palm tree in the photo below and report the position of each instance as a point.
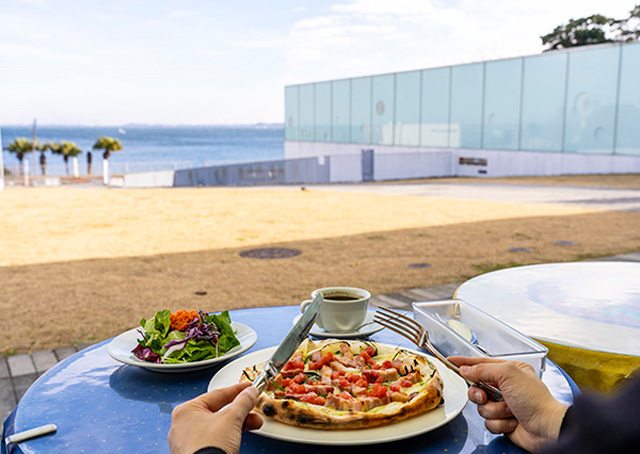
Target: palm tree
(20, 146)
(107, 144)
(70, 149)
(51, 146)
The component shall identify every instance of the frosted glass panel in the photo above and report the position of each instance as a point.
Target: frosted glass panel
(323, 112)
(361, 110)
(341, 111)
(591, 100)
(435, 108)
(466, 106)
(503, 80)
(407, 108)
(628, 130)
(543, 102)
(382, 118)
(306, 128)
(291, 113)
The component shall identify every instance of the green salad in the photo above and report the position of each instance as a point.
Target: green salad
(185, 337)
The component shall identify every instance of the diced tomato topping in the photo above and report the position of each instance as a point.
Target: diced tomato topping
(353, 377)
(363, 383)
(370, 375)
(286, 382)
(370, 351)
(335, 374)
(346, 396)
(380, 379)
(326, 359)
(344, 383)
(394, 387)
(297, 389)
(406, 383)
(387, 364)
(294, 364)
(300, 378)
(365, 355)
(376, 366)
(378, 390)
(320, 400)
(310, 398)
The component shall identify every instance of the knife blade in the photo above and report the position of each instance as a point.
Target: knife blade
(289, 345)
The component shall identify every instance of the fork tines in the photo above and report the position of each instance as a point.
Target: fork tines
(398, 323)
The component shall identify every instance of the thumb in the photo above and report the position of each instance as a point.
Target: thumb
(244, 402)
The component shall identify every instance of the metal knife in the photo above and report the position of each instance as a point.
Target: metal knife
(289, 345)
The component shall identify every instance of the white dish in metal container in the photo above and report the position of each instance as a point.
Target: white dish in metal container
(491, 337)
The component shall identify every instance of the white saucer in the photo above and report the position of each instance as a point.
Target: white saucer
(368, 329)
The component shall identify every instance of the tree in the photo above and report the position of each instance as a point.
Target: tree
(53, 147)
(20, 146)
(595, 29)
(579, 32)
(630, 28)
(67, 150)
(107, 144)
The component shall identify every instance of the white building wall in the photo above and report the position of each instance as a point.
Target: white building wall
(391, 162)
(160, 179)
(394, 166)
(346, 168)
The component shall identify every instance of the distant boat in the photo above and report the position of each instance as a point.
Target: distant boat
(122, 131)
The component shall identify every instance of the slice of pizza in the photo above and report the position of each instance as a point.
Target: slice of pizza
(337, 384)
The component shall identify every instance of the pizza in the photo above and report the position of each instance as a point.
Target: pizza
(338, 384)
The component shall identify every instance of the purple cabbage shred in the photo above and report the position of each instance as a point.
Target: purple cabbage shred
(145, 354)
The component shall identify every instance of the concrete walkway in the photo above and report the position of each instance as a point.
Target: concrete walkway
(18, 372)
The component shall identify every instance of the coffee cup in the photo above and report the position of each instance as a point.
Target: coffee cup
(343, 308)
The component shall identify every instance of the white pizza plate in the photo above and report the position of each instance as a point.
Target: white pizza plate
(120, 349)
(455, 398)
(368, 328)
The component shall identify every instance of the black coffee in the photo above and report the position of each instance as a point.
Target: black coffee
(343, 298)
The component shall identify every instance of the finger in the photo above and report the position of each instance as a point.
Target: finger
(487, 372)
(252, 422)
(218, 398)
(243, 403)
(477, 395)
(501, 426)
(495, 410)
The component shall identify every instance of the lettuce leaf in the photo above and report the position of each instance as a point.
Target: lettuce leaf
(157, 334)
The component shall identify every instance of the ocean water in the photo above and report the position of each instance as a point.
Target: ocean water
(147, 148)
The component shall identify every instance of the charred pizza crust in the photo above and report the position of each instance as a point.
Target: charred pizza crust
(424, 394)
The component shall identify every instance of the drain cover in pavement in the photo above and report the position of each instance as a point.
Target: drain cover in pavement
(270, 253)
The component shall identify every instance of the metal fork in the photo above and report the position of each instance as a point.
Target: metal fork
(417, 334)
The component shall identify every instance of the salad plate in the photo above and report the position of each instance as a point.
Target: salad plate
(121, 346)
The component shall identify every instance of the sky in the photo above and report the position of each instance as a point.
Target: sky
(202, 62)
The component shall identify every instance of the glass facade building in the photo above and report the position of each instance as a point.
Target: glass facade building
(584, 100)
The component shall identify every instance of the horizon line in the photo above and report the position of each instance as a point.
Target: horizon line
(134, 125)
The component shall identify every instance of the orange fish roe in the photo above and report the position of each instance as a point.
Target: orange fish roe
(180, 319)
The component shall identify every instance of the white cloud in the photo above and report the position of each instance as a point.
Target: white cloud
(168, 62)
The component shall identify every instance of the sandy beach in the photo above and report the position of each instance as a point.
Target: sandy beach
(81, 265)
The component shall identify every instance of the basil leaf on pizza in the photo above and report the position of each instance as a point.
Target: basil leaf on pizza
(338, 384)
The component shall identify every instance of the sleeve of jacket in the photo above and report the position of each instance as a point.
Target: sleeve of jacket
(597, 424)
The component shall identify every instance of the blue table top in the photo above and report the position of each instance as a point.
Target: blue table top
(103, 406)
